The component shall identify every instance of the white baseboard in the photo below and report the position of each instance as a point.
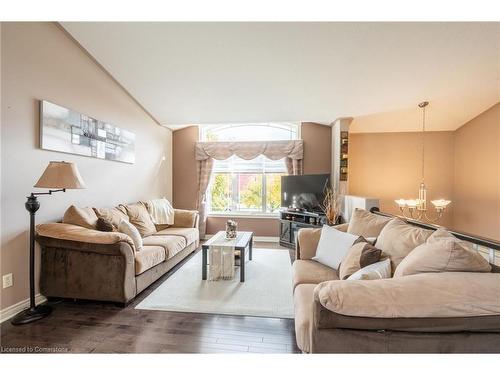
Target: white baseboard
(9, 312)
(266, 239)
(256, 238)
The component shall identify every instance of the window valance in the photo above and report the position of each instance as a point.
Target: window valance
(273, 150)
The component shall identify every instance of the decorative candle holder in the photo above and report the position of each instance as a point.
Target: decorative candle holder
(231, 227)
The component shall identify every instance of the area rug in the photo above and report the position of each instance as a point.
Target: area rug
(267, 290)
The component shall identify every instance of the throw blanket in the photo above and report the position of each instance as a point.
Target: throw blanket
(161, 211)
(221, 258)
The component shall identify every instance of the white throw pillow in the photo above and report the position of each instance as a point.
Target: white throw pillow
(333, 246)
(379, 270)
(132, 232)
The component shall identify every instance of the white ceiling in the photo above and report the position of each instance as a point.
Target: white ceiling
(202, 73)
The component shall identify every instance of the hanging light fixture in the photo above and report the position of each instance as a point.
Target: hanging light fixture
(417, 208)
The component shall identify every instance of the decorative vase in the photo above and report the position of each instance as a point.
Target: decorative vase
(231, 227)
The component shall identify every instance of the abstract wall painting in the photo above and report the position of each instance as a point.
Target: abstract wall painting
(65, 130)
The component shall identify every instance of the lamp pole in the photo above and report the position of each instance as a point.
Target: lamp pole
(34, 312)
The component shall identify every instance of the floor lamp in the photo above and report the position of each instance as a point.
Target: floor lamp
(58, 176)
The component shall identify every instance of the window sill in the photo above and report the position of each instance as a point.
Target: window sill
(245, 216)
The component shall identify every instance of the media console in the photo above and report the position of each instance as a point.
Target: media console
(292, 221)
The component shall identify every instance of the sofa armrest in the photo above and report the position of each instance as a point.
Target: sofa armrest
(79, 238)
(323, 318)
(307, 241)
(86, 264)
(185, 218)
(426, 295)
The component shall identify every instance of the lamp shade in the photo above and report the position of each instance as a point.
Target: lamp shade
(61, 175)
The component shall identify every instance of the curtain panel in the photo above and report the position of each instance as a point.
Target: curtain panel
(206, 152)
(274, 150)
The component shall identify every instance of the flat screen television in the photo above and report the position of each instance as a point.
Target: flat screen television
(306, 191)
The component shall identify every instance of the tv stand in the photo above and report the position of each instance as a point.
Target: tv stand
(291, 221)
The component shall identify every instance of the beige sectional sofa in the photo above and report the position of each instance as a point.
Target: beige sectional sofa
(81, 262)
(426, 312)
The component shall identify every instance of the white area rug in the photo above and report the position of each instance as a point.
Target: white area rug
(267, 290)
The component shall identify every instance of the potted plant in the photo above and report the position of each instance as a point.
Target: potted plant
(331, 206)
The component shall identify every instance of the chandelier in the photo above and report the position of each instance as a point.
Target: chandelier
(417, 208)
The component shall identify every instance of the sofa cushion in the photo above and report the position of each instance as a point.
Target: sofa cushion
(311, 272)
(366, 224)
(447, 294)
(360, 255)
(112, 214)
(445, 255)
(82, 216)
(303, 299)
(131, 231)
(171, 244)
(185, 218)
(189, 234)
(333, 245)
(398, 238)
(140, 218)
(149, 257)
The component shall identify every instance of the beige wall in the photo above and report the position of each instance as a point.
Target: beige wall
(40, 62)
(263, 227)
(477, 175)
(185, 178)
(317, 147)
(462, 165)
(387, 166)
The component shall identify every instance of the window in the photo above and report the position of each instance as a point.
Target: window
(249, 132)
(242, 186)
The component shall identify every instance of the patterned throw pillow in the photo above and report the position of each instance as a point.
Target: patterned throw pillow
(360, 255)
(379, 270)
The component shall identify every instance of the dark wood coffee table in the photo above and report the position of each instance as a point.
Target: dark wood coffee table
(244, 243)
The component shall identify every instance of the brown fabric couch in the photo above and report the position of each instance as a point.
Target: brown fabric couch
(392, 315)
(85, 263)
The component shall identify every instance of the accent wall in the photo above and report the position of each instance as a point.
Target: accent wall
(317, 150)
(40, 61)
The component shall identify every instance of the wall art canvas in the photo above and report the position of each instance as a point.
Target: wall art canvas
(65, 130)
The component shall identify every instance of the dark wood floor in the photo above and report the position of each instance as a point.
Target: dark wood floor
(94, 327)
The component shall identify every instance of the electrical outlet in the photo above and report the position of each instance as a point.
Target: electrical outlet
(7, 280)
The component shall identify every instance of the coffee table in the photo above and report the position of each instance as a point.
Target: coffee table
(244, 243)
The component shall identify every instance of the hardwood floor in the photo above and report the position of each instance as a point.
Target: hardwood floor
(95, 327)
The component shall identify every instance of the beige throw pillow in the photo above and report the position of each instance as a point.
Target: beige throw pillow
(139, 216)
(442, 234)
(360, 255)
(399, 238)
(81, 216)
(131, 231)
(447, 254)
(366, 224)
(113, 215)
